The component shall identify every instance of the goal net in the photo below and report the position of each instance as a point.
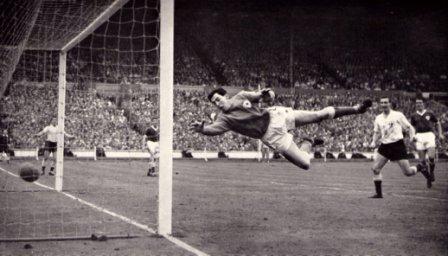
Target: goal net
(101, 57)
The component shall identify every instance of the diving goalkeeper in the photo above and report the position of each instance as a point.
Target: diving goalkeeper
(240, 114)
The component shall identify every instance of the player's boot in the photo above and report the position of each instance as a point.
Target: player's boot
(424, 170)
(378, 189)
(433, 177)
(364, 106)
(51, 172)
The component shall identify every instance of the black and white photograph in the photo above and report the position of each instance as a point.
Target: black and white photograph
(223, 127)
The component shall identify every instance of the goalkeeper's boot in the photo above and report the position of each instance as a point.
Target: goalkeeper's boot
(364, 106)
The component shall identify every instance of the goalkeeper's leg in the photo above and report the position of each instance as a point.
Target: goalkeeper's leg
(299, 156)
(303, 117)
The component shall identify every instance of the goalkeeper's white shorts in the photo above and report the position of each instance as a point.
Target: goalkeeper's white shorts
(281, 121)
(425, 140)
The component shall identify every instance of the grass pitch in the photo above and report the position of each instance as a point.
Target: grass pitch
(230, 208)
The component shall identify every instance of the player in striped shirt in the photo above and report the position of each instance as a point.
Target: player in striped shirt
(424, 122)
(241, 114)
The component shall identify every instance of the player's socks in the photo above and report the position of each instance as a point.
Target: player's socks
(43, 170)
(378, 189)
(423, 168)
(432, 166)
(51, 173)
(152, 172)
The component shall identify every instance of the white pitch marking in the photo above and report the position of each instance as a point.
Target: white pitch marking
(174, 240)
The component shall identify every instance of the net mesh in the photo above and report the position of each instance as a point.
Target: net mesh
(17, 20)
(105, 70)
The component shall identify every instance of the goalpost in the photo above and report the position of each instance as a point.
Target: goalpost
(166, 114)
(92, 56)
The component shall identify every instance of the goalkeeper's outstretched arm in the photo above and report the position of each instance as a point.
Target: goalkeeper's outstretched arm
(266, 95)
(213, 129)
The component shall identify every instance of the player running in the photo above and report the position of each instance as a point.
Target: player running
(151, 139)
(388, 129)
(240, 114)
(425, 140)
(51, 144)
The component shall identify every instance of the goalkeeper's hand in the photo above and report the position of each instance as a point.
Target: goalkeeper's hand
(197, 126)
(267, 95)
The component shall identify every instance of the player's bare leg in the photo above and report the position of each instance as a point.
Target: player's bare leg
(52, 164)
(303, 117)
(378, 165)
(301, 155)
(407, 169)
(4, 156)
(46, 156)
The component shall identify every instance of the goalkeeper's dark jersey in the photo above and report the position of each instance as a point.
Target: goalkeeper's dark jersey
(244, 117)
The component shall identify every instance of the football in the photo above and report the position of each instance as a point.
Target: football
(28, 172)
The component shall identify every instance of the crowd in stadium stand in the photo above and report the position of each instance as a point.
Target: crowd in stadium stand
(119, 124)
(93, 120)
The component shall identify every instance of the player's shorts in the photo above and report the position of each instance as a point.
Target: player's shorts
(425, 140)
(281, 121)
(393, 151)
(51, 146)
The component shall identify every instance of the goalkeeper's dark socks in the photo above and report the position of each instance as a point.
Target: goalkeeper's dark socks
(43, 170)
(344, 111)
